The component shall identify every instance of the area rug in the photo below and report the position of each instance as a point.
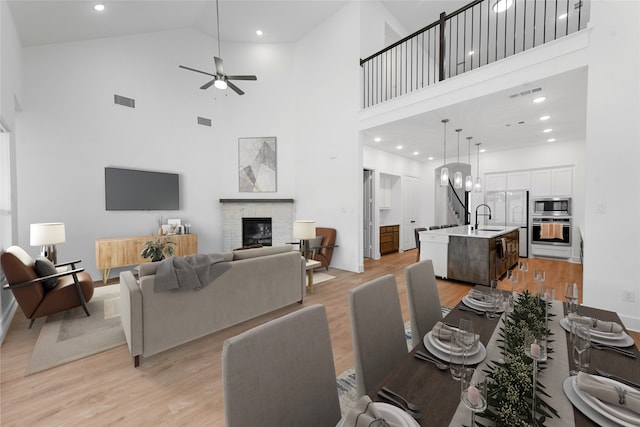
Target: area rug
(71, 335)
(346, 381)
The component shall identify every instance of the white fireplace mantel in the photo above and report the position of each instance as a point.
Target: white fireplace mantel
(281, 212)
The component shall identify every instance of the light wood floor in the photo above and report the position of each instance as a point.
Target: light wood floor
(182, 386)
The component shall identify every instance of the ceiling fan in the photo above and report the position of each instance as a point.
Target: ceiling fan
(220, 79)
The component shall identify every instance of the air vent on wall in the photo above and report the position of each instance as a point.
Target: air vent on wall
(526, 92)
(122, 100)
(204, 121)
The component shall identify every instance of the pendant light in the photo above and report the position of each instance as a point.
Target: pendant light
(444, 172)
(478, 186)
(468, 180)
(457, 177)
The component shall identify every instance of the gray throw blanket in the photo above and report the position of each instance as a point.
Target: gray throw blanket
(191, 272)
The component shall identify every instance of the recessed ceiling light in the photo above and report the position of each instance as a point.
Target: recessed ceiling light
(98, 7)
(545, 118)
(415, 153)
(563, 16)
(551, 140)
(471, 52)
(482, 150)
(377, 139)
(430, 158)
(547, 130)
(502, 5)
(539, 99)
(259, 32)
(398, 147)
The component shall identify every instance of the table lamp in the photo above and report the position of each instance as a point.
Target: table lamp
(304, 229)
(47, 235)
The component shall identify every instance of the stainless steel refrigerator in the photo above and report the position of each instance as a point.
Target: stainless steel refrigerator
(511, 208)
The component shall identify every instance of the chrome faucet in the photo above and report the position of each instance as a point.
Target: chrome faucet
(483, 214)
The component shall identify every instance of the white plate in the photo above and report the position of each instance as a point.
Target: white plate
(625, 341)
(615, 413)
(587, 410)
(470, 302)
(392, 414)
(445, 348)
(445, 356)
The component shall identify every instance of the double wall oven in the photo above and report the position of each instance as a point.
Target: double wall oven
(551, 221)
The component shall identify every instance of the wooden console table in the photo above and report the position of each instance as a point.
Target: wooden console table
(123, 251)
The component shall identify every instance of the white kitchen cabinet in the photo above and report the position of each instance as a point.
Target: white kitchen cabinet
(495, 182)
(552, 182)
(561, 182)
(386, 187)
(519, 180)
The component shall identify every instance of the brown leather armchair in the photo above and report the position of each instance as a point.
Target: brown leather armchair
(324, 251)
(69, 289)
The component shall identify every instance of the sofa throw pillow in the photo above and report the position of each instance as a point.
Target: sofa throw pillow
(43, 268)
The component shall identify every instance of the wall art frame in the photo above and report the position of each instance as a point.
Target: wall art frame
(257, 165)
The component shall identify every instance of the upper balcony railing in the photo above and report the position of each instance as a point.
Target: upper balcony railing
(471, 37)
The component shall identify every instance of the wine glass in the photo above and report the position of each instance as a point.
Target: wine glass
(538, 276)
(535, 347)
(548, 297)
(474, 392)
(493, 299)
(581, 342)
(466, 338)
(571, 295)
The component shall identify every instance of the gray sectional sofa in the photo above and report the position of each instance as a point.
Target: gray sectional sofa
(259, 281)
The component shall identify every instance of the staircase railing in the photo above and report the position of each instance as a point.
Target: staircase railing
(471, 37)
(459, 208)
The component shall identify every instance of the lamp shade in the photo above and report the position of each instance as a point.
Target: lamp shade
(48, 233)
(304, 229)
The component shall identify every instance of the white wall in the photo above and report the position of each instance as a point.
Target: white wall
(328, 155)
(612, 253)
(373, 18)
(71, 129)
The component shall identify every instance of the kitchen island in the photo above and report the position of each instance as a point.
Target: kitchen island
(468, 255)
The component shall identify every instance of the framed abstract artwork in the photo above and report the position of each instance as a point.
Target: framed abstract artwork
(257, 165)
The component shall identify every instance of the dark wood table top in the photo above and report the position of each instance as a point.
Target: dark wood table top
(438, 395)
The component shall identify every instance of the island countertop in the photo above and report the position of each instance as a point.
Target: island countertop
(483, 232)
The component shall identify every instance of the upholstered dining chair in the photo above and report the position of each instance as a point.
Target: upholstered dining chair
(377, 331)
(40, 289)
(323, 251)
(281, 373)
(423, 298)
(416, 233)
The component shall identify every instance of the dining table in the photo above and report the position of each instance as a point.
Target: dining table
(437, 394)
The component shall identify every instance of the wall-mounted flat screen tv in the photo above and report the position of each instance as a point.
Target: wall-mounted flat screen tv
(138, 190)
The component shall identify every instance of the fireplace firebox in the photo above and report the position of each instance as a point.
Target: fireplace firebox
(256, 231)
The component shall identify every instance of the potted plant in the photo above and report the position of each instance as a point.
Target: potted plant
(157, 248)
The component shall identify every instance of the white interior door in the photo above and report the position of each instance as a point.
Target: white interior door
(368, 217)
(411, 211)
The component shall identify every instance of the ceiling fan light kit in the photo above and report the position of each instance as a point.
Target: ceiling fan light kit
(220, 79)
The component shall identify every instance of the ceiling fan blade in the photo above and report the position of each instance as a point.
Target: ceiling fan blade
(235, 88)
(208, 84)
(242, 78)
(218, 62)
(197, 71)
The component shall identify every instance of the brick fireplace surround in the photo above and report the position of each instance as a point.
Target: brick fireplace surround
(233, 210)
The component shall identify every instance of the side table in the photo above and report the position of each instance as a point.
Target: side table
(311, 264)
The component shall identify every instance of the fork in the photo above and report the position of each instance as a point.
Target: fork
(473, 310)
(394, 398)
(624, 352)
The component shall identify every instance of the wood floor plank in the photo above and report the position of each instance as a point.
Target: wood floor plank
(183, 386)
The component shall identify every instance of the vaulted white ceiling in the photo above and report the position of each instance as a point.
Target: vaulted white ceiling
(510, 122)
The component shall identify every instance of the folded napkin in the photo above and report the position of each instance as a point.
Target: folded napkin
(599, 325)
(445, 332)
(363, 414)
(609, 392)
(478, 295)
